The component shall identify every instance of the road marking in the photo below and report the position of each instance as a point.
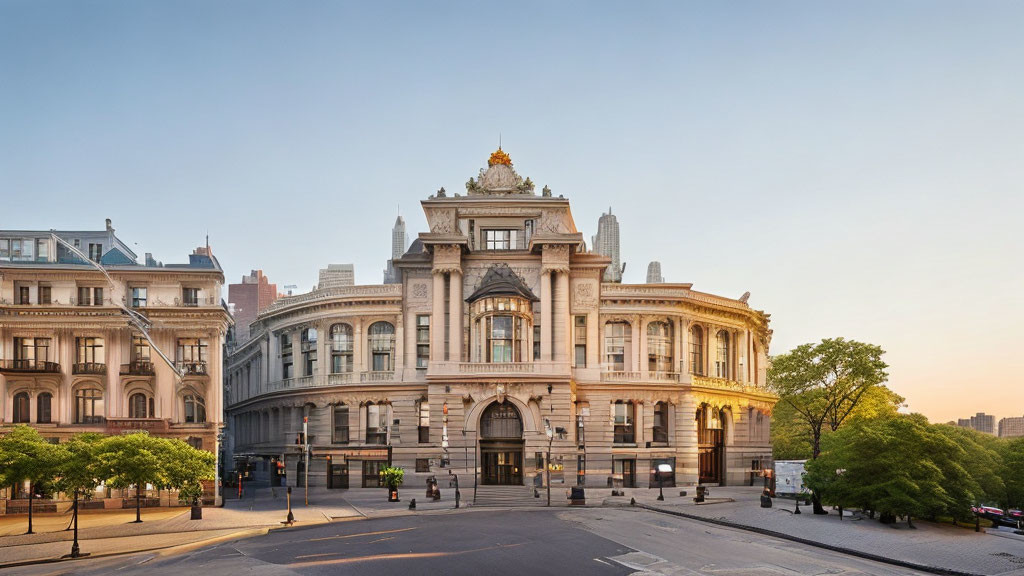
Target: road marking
(601, 561)
(318, 555)
(361, 534)
(381, 539)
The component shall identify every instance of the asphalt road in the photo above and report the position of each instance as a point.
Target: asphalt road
(491, 543)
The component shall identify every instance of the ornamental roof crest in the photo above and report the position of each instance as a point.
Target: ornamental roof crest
(499, 178)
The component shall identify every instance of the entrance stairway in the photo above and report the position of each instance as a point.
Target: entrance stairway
(513, 497)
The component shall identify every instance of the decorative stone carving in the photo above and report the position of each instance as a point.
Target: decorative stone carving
(442, 221)
(499, 178)
(553, 222)
(546, 192)
(584, 295)
(419, 292)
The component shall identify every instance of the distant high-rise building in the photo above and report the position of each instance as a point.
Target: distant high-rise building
(250, 297)
(654, 273)
(981, 422)
(1011, 427)
(399, 243)
(336, 275)
(606, 243)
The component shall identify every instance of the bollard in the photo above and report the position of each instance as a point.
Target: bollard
(412, 504)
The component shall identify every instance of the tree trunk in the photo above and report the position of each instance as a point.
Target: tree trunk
(815, 497)
(31, 489)
(138, 504)
(910, 523)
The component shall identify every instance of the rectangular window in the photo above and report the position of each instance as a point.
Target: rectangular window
(500, 349)
(422, 341)
(84, 296)
(90, 350)
(502, 240)
(22, 295)
(376, 424)
(190, 296)
(536, 337)
(95, 252)
(422, 465)
(97, 296)
(424, 423)
(617, 342)
(286, 356)
(44, 294)
(623, 416)
(192, 355)
(580, 338)
(16, 249)
(31, 352)
(42, 249)
(660, 429)
(624, 472)
(139, 294)
(340, 425)
(5, 248)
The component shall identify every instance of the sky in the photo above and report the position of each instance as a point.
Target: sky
(856, 166)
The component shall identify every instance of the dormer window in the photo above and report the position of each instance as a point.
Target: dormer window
(502, 240)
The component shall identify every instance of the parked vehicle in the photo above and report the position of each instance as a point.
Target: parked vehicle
(990, 513)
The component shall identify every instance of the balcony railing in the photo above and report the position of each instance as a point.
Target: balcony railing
(20, 365)
(639, 376)
(314, 381)
(137, 368)
(192, 367)
(525, 369)
(731, 385)
(89, 368)
(377, 376)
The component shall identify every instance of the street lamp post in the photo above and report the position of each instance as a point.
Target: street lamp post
(663, 471)
(305, 455)
(547, 462)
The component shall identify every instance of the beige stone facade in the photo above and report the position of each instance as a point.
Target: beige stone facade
(71, 362)
(500, 330)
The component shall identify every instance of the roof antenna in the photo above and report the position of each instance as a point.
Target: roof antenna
(499, 140)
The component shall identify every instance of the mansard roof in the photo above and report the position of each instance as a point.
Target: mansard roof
(500, 280)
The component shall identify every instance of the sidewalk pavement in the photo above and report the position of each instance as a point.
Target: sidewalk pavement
(996, 551)
(262, 509)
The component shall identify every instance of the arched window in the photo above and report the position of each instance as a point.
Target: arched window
(137, 404)
(195, 409)
(21, 408)
(499, 329)
(382, 346)
(659, 347)
(501, 420)
(309, 340)
(89, 406)
(617, 345)
(377, 423)
(722, 355)
(660, 429)
(341, 348)
(44, 402)
(697, 350)
(624, 421)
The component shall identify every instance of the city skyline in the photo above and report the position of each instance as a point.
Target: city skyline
(858, 189)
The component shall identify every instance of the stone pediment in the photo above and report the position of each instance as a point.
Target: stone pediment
(500, 280)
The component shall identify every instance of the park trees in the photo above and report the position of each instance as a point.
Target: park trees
(185, 469)
(79, 472)
(133, 460)
(25, 455)
(824, 383)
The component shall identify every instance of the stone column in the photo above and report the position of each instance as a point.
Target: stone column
(358, 349)
(561, 323)
(437, 318)
(634, 347)
(645, 364)
(594, 343)
(684, 346)
(455, 316)
(399, 358)
(545, 316)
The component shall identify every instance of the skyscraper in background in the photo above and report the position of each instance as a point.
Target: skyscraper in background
(654, 273)
(606, 243)
(399, 243)
(981, 422)
(249, 298)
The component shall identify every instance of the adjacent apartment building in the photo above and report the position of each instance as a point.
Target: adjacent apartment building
(501, 341)
(71, 362)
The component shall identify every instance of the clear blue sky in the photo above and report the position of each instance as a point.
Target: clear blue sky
(856, 166)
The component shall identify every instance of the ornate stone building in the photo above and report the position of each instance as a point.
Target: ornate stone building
(501, 331)
(71, 361)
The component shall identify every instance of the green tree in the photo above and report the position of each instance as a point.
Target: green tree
(132, 459)
(25, 455)
(1012, 471)
(791, 436)
(884, 465)
(79, 472)
(971, 470)
(185, 469)
(824, 383)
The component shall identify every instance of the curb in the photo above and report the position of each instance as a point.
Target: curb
(791, 538)
(164, 550)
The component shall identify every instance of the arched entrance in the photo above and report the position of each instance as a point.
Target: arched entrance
(711, 445)
(501, 445)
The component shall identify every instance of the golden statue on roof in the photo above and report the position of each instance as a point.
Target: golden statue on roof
(499, 157)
